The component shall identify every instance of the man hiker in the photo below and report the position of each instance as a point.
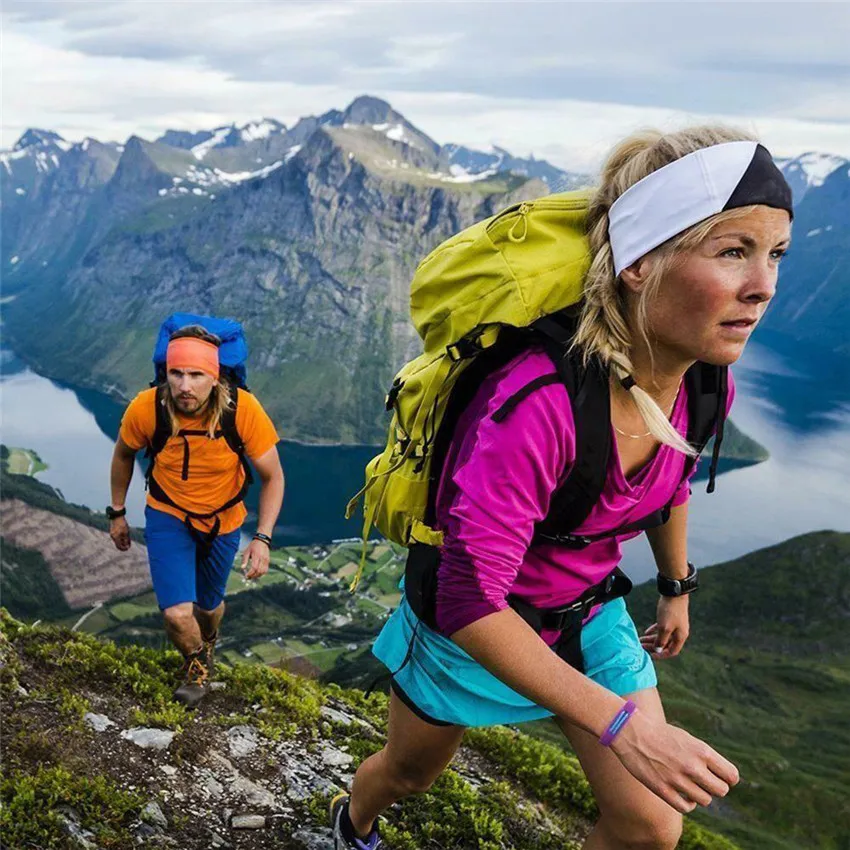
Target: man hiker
(199, 427)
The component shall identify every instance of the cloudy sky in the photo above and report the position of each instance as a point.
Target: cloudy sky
(561, 80)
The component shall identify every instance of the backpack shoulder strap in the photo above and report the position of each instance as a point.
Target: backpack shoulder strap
(589, 394)
(228, 424)
(708, 388)
(162, 429)
(237, 445)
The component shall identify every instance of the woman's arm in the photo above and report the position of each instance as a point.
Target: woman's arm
(669, 542)
(679, 768)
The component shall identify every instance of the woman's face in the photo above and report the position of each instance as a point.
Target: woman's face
(714, 294)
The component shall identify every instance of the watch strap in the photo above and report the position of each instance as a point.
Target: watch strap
(678, 587)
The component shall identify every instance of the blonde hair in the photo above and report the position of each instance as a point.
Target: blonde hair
(220, 395)
(604, 330)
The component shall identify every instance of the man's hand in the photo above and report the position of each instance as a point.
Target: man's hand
(666, 638)
(119, 531)
(256, 555)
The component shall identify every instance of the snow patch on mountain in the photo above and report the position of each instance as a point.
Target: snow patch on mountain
(218, 136)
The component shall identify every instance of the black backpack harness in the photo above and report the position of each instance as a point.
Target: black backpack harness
(589, 392)
(227, 431)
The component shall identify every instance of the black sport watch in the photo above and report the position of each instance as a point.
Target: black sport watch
(111, 513)
(678, 587)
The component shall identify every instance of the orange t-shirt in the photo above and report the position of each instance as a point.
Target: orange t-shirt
(215, 473)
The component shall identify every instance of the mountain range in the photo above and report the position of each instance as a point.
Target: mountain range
(307, 234)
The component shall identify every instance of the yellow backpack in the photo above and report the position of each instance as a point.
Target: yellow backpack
(526, 262)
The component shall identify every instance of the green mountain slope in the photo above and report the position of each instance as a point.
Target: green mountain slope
(265, 746)
(765, 678)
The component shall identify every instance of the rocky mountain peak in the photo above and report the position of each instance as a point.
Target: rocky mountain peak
(41, 138)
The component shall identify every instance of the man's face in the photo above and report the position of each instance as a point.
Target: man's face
(190, 389)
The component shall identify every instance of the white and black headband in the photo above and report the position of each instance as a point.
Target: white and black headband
(689, 190)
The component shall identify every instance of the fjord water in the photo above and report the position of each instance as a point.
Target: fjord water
(796, 403)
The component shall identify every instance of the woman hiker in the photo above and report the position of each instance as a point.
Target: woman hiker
(194, 511)
(686, 233)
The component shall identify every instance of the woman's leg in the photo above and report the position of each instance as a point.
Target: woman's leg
(631, 816)
(415, 754)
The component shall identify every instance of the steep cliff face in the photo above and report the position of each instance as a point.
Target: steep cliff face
(313, 253)
(812, 300)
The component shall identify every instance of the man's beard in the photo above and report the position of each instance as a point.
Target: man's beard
(190, 406)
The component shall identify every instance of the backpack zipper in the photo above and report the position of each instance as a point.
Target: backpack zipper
(522, 209)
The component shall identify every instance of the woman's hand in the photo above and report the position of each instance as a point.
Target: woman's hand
(255, 559)
(682, 770)
(665, 638)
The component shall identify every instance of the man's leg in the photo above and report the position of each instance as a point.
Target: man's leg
(182, 627)
(212, 569)
(209, 621)
(171, 554)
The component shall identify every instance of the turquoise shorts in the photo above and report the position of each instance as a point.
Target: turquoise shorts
(443, 685)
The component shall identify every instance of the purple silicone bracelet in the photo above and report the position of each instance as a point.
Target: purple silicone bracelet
(620, 720)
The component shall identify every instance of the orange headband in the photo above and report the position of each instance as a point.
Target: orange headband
(188, 352)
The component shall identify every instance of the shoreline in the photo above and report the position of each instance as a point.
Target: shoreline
(120, 398)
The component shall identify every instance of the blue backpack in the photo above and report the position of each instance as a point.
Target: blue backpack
(231, 355)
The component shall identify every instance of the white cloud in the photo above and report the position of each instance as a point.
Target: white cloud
(560, 80)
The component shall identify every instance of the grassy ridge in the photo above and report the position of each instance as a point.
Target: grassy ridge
(527, 795)
(765, 678)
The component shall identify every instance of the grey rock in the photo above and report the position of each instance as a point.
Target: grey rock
(314, 839)
(209, 784)
(334, 757)
(217, 686)
(70, 821)
(248, 822)
(242, 740)
(146, 831)
(156, 739)
(153, 814)
(304, 782)
(254, 794)
(98, 722)
(336, 716)
(168, 770)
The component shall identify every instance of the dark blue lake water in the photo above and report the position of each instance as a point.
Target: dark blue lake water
(795, 403)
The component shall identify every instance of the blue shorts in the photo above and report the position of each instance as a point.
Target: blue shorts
(179, 570)
(444, 685)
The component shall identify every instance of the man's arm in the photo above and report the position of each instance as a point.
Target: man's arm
(271, 498)
(666, 637)
(121, 473)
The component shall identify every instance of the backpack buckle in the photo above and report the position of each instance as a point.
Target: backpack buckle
(392, 395)
(571, 541)
(463, 349)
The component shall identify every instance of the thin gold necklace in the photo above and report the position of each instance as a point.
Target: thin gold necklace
(641, 436)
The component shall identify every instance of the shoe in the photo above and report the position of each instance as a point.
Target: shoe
(343, 832)
(195, 680)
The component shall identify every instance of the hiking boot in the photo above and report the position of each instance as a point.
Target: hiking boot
(195, 680)
(209, 653)
(343, 830)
